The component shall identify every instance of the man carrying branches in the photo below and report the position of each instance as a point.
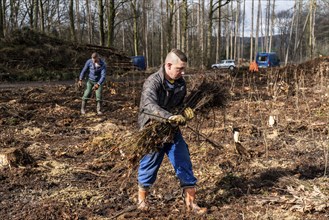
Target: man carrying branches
(163, 93)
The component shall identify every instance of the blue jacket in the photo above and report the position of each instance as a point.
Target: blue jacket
(96, 74)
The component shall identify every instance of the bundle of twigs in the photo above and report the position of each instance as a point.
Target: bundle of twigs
(208, 94)
(150, 139)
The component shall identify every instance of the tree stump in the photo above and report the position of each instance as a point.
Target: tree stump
(14, 157)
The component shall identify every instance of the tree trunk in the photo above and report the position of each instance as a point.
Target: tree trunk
(311, 42)
(101, 22)
(231, 32)
(133, 5)
(77, 14)
(58, 17)
(90, 29)
(170, 17)
(267, 25)
(152, 55)
(42, 16)
(236, 55)
(298, 13)
(243, 22)
(178, 26)
(257, 27)
(145, 30)
(272, 25)
(2, 20)
(219, 37)
(209, 33)
(110, 22)
(201, 33)
(36, 14)
(227, 35)
(291, 31)
(71, 16)
(252, 31)
(161, 34)
(13, 15)
(184, 25)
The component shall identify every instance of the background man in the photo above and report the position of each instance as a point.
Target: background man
(96, 78)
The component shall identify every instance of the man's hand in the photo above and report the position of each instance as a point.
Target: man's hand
(96, 86)
(188, 113)
(80, 83)
(177, 120)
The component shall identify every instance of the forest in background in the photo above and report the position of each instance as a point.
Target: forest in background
(151, 28)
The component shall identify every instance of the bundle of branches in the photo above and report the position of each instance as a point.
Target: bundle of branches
(150, 139)
(205, 95)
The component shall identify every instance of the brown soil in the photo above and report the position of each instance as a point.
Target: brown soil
(81, 170)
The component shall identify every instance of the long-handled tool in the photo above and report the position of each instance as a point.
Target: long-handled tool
(212, 142)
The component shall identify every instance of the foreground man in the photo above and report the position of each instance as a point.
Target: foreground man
(96, 78)
(163, 92)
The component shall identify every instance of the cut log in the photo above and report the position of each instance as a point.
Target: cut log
(14, 157)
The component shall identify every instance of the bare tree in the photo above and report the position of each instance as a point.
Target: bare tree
(101, 22)
(14, 8)
(236, 54)
(257, 27)
(227, 35)
(178, 26)
(184, 25)
(209, 33)
(90, 30)
(145, 5)
(78, 19)
(231, 32)
(201, 32)
(243, 23)
(219, 33)
(272, 25)
(170, 17)
(42, 16)
(2, 20)
(134, 8)
(311, 43)
(36, 14)
(71, 16)
(252, 31)
(267, 25)
(214, 6)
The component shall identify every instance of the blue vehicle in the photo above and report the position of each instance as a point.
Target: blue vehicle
(265, 60)
(139, 62)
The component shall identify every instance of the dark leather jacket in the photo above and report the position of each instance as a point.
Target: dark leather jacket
(158, 99)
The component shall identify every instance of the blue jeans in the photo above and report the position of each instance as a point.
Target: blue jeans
(179, 157)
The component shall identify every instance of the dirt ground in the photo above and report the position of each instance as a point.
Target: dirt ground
(78, 166)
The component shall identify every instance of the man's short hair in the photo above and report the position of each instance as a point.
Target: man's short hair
(180, 54)
(175, 55)
(94, 55)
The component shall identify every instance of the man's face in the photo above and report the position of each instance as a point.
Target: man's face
(175, 71)
(95, 59)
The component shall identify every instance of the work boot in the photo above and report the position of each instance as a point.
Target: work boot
(83, 107)
(99, 108)
(189, 199)
(142, 203)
